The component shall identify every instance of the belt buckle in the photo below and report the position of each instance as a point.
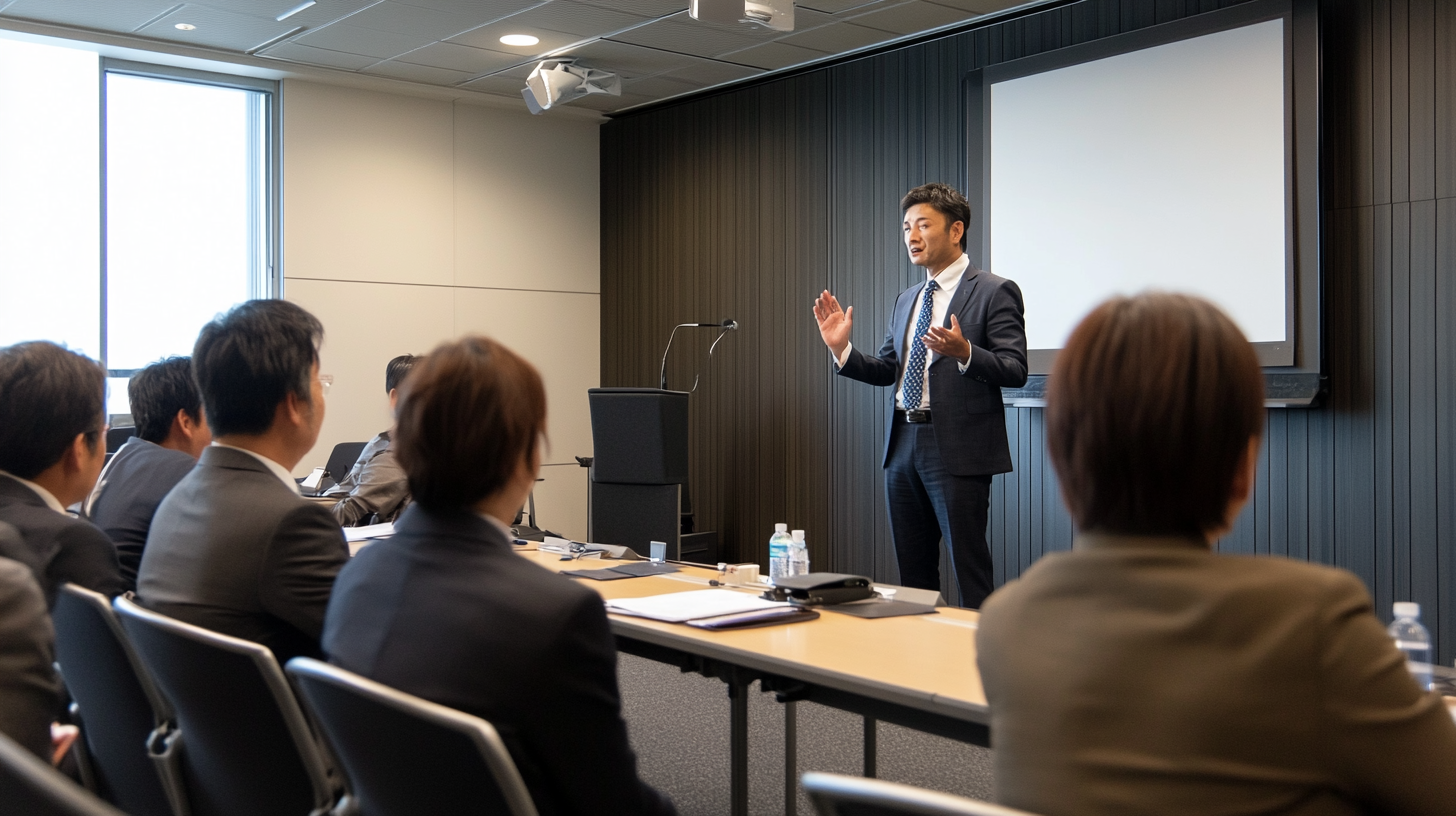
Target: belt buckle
(917, 416)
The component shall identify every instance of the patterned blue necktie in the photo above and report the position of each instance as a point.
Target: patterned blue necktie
(915, 370)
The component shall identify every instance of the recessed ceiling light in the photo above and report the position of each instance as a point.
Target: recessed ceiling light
(520, 39)
(185, 26)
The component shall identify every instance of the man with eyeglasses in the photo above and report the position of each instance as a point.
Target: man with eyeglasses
(234, 548)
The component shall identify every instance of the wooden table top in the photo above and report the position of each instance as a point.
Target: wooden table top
(923, 661)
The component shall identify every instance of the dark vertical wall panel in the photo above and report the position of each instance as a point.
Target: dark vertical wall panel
(748, 203)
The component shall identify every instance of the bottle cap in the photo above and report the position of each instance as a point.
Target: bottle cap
(798, 535)
(1407, 609)
(781, 528)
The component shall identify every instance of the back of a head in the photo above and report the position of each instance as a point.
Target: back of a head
(1150, 410)
(396, 369)
(48, 395)
(248, 360)
(158, 392)
(471, 412)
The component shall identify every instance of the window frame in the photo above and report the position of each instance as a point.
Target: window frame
(268, 284)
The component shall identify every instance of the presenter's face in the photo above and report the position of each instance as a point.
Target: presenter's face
(931, 242)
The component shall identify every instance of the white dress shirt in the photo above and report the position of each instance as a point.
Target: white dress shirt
(946, 282)
(276, 469)
(45, 495)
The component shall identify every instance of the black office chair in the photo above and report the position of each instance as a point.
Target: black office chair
(403, 755)
(29, 786)
(116, 437)
(836, 795)
(246, 748)
(342, 459)
(119, 710)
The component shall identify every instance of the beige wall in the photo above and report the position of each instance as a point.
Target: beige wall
(409, 221)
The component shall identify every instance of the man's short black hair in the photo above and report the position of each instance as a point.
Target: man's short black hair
(48, 395)
(158, 392)
(395, 371)
(946, 199)
(248, 360)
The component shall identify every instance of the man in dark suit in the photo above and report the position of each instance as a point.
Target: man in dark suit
(444, 610)
(30, 692)
(233, 547)
(52, 429)
(170, 434)
(954, 342)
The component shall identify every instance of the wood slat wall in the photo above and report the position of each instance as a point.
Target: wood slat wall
(748, 203)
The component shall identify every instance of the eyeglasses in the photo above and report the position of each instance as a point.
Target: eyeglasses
(327, 382)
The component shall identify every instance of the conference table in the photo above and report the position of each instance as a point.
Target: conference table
(918, 671)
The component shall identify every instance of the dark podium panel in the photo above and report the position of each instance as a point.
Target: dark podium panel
(640, 435)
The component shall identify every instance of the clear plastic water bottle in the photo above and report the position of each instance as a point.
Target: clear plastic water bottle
(778, 553)
(1413, 639)
(798, 554)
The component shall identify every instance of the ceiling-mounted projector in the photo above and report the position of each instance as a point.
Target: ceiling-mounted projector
(775, 14)
(557, 82)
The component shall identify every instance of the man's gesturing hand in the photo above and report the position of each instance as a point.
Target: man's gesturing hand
(834, 322)
(947, 342)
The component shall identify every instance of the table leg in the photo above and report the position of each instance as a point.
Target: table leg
(791, 758)
(870, 748)
(738, 746)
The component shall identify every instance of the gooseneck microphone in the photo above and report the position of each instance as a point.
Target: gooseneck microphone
(724, 327)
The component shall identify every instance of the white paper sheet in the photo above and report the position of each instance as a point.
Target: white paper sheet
(676, 607)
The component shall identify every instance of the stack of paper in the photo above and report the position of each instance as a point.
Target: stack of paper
(676, 607)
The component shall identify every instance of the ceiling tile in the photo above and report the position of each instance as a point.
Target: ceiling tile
(102, 15)
(417, 73)
(605, 103)
(217, 29)
(419, 21)
(317, 56)
(473, 61)
(489, 37)
(497, 84)
(912, 18)
(628, 61)
(838, 37)
(485, 10)
(774, 55)
(832, 6)
(367, 41)
(566, 17)
(659, 87)
(685, 35)
(645, 8)
(319, 14)
(712, 72)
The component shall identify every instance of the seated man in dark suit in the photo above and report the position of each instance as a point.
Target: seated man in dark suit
(446, 611)
(233, 547)
(170, 434)
(376, 490)
(30, 692)
(1145, 674)
(52, 447)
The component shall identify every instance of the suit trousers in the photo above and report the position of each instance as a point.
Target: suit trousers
(926, 504)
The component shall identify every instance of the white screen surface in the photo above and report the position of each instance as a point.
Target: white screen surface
(1158, 169)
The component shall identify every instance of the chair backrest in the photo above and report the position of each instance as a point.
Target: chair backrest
(246, 748)
(344, 456)
(119, 706)
(30, 786)
(836, 795)
(403, 755)
(116, 437)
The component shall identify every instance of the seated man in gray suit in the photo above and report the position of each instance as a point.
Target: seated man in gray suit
(52, 429)
(376, 489)
(234, 548)
(170, 434)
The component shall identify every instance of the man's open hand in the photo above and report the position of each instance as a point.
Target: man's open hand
(834, 322)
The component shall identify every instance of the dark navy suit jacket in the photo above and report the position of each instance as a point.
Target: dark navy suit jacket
(970, 423)
(57, 547)
(445, 611)
(136, 480)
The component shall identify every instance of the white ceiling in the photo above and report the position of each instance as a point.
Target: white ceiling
(654, 45)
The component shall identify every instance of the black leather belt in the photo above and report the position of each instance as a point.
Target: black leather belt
(916, 417)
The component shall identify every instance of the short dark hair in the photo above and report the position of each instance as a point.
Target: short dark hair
(48, 395)
(468, 415)
(1150, 410)
(947, 200)
(248, 360)
(396, 369)
(158, 392)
